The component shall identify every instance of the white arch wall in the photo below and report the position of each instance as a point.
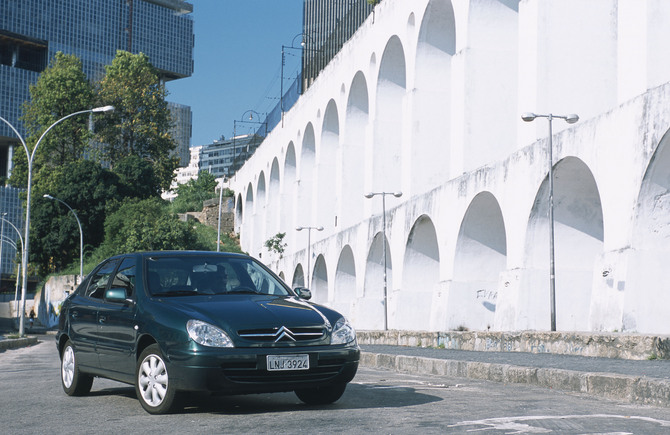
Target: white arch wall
(620, 137)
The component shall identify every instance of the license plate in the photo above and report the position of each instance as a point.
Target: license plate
(287, 362)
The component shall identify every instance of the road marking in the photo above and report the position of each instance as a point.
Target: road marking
(523, 424)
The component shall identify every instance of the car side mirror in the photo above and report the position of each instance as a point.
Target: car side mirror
(303, 293)
(118, 294)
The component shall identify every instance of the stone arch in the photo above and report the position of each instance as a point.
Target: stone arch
(319, 280)
(421, 276)
(431, 99)
(481, 256)
(372, 303)
(388, 127)
(578, 241)
(306, 176)
(298, 277)
(353, 152)
(647, 289)
(344, 294)
(274, 204)
(327, 155)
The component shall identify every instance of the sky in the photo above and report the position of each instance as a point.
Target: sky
(237, 62)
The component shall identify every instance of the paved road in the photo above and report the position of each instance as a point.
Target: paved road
(32, 401)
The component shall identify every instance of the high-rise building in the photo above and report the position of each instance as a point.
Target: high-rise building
(32, 31)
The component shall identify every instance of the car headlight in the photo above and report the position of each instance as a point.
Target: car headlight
(343, 333)
(208, 335)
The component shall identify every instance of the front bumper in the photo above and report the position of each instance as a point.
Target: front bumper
(244, 370)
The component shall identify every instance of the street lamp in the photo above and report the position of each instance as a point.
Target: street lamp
(250, 121)
(383, 195)
(81, 234)
(309, 247)
(570, 119)
(18, 274)
(29, 157)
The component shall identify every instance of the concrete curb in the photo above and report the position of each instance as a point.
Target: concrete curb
(15, 343)
(631, 389)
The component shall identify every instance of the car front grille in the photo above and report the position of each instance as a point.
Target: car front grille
(283, 335)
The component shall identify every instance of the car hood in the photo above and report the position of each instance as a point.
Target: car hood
(237, 312)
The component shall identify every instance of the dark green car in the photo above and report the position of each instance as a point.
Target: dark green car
(169, 322)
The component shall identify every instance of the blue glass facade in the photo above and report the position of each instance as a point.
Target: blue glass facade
(93, 30)
(32, 31)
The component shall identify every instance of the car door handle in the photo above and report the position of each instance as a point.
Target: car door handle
(75, 314)
(102, 319)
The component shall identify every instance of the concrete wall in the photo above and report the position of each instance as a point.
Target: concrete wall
(426, 99)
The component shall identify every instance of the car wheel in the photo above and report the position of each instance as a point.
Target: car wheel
(321, 395)
(153, 387)
(74, 382)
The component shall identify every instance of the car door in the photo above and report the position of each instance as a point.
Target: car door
(83, 314)
(116, 336)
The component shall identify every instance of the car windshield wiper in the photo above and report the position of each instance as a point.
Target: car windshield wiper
(243, 290)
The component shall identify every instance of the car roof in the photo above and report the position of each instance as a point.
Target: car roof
(145, 254)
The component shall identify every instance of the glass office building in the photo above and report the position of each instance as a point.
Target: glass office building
(32, 31)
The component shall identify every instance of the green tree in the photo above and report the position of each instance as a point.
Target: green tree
(141, 120)
(194, 192)
(60, 90)
(87, 188)
(138, 177)
(146, 225)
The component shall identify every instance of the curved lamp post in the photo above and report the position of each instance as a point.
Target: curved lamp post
(383, 195)
(309, 248)
(81, 234)
(18, 274)
(570, 119)
(26, 238)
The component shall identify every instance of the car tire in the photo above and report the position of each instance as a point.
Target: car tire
(152, 384)
(74, 382)
(321, 395)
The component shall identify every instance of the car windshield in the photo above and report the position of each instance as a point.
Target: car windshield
(209, 275)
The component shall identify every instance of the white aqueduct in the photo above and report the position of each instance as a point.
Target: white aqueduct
(426, 99)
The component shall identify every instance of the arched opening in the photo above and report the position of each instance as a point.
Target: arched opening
(238, 214)
(491, 62)
(260, 216)
(286, 219)
(326, 197)
(246, 236)
(481, 255)
(420, 277)
(646, 289)
(298, 277)
(306, 178)
(274, 206)
(388, 130)
(578, 241)
(431, 135)
(353, 153)
(372, 303)
(319, 280)
(344, 295)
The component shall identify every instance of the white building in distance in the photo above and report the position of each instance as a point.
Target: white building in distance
(426, 99)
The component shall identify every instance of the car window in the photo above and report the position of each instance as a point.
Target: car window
(125, 277)
(99, 280)
(209, 275)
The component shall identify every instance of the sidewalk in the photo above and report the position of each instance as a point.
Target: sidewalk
(635, 380)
